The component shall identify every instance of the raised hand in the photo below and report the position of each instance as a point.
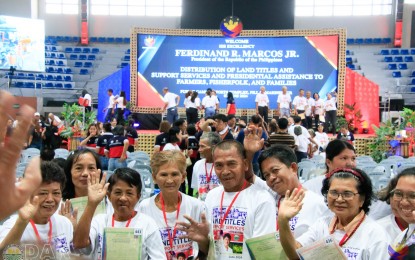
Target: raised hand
(291, 205)
(253, 141)
(97, 189)
(14, 196)
(29, 209)
(195, 231)
(68, 213)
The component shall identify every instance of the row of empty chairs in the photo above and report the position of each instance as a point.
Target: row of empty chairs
(82, 50)
(400, 66)
(55, 55)
(377, 40)
(82, 57)
(86, 64)
(54, 62)
(113, 40)
(397, 52)
(398, 59)
(39, 85)
(41, 76)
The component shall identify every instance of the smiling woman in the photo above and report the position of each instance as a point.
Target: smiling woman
(348, 193)
(124, 189)
(45, 227)
(404, 196)
(170, 205)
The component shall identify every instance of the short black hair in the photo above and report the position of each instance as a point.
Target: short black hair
(52, 172)
(128, 175)
(191, 130)
(179, 122)
(118, 130)
(255, 119)
(282, 153)
(230, 117)
(297, 119)
(228, 144)
(282, 123)
(47, 154)
(110, 90)
(221, 117)
(227, 235)
(107, 127)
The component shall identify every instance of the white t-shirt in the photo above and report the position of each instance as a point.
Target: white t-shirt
(330, 104)
(313, 208)
(251, 215)
(390, 225)
(300, 102)
(304, 131)
(89, 98)
(170, 146)
(318, 104)
(111, 101)
(302, 142)
(262, 99)
(152, 246)
(309, 106)
(170, 98)
(210, 101)
(190, 104)
(284, 100)
(189, 206)
(120, 102)
(369, 242)
(199, 178)
(62, 233)
(322, 139)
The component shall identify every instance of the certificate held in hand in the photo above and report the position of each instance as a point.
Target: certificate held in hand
(266, 247)
(326, 248)
(122, 243)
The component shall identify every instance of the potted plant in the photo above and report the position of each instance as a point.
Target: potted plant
(353, 117)
(76, 123)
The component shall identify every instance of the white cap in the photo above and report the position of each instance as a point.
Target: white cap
(37, 114)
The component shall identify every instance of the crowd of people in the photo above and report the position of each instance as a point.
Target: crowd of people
(246, 185)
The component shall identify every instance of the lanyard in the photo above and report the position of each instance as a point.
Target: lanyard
(401, 227)
(346, 237)
(37, 232)
(126, 225)
(229, 207)
(171, 236)
(279, 202)
(208, 177)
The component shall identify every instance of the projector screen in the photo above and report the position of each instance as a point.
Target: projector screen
(240, 65)
(22, 44)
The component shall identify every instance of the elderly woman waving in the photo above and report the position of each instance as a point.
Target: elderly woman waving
(348, 193)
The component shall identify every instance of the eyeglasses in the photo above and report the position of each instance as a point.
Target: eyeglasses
(399, 195)
(347, 195)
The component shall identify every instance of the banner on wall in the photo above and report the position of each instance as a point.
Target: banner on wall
(240, 65)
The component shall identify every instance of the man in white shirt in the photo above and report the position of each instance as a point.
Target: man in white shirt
(284, 103)
(237, 207)
(210, 104)
(300, 103)
(262, 104)
(171, 101)
(111, 107)
(309, 110)
(303, 140)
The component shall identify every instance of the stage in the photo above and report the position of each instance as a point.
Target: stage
(146, 140)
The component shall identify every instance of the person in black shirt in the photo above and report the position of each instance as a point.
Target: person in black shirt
(131, 134)
(163, 138)
(102, 142)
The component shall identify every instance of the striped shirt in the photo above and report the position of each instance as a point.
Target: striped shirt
(282, 139)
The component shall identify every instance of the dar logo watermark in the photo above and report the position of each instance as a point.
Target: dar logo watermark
(31, 251)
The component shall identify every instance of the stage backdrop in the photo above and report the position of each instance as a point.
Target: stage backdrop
(199, 59)
(119, 80)
(365, 94)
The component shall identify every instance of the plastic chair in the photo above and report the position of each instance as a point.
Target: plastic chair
(402, 66)
(61, 153)
(388, 59)
(396, 74)
(304, 168)
(408, 59)
(394, 52)
(392, 66)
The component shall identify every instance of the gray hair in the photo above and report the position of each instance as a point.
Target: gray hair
(213, 138)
